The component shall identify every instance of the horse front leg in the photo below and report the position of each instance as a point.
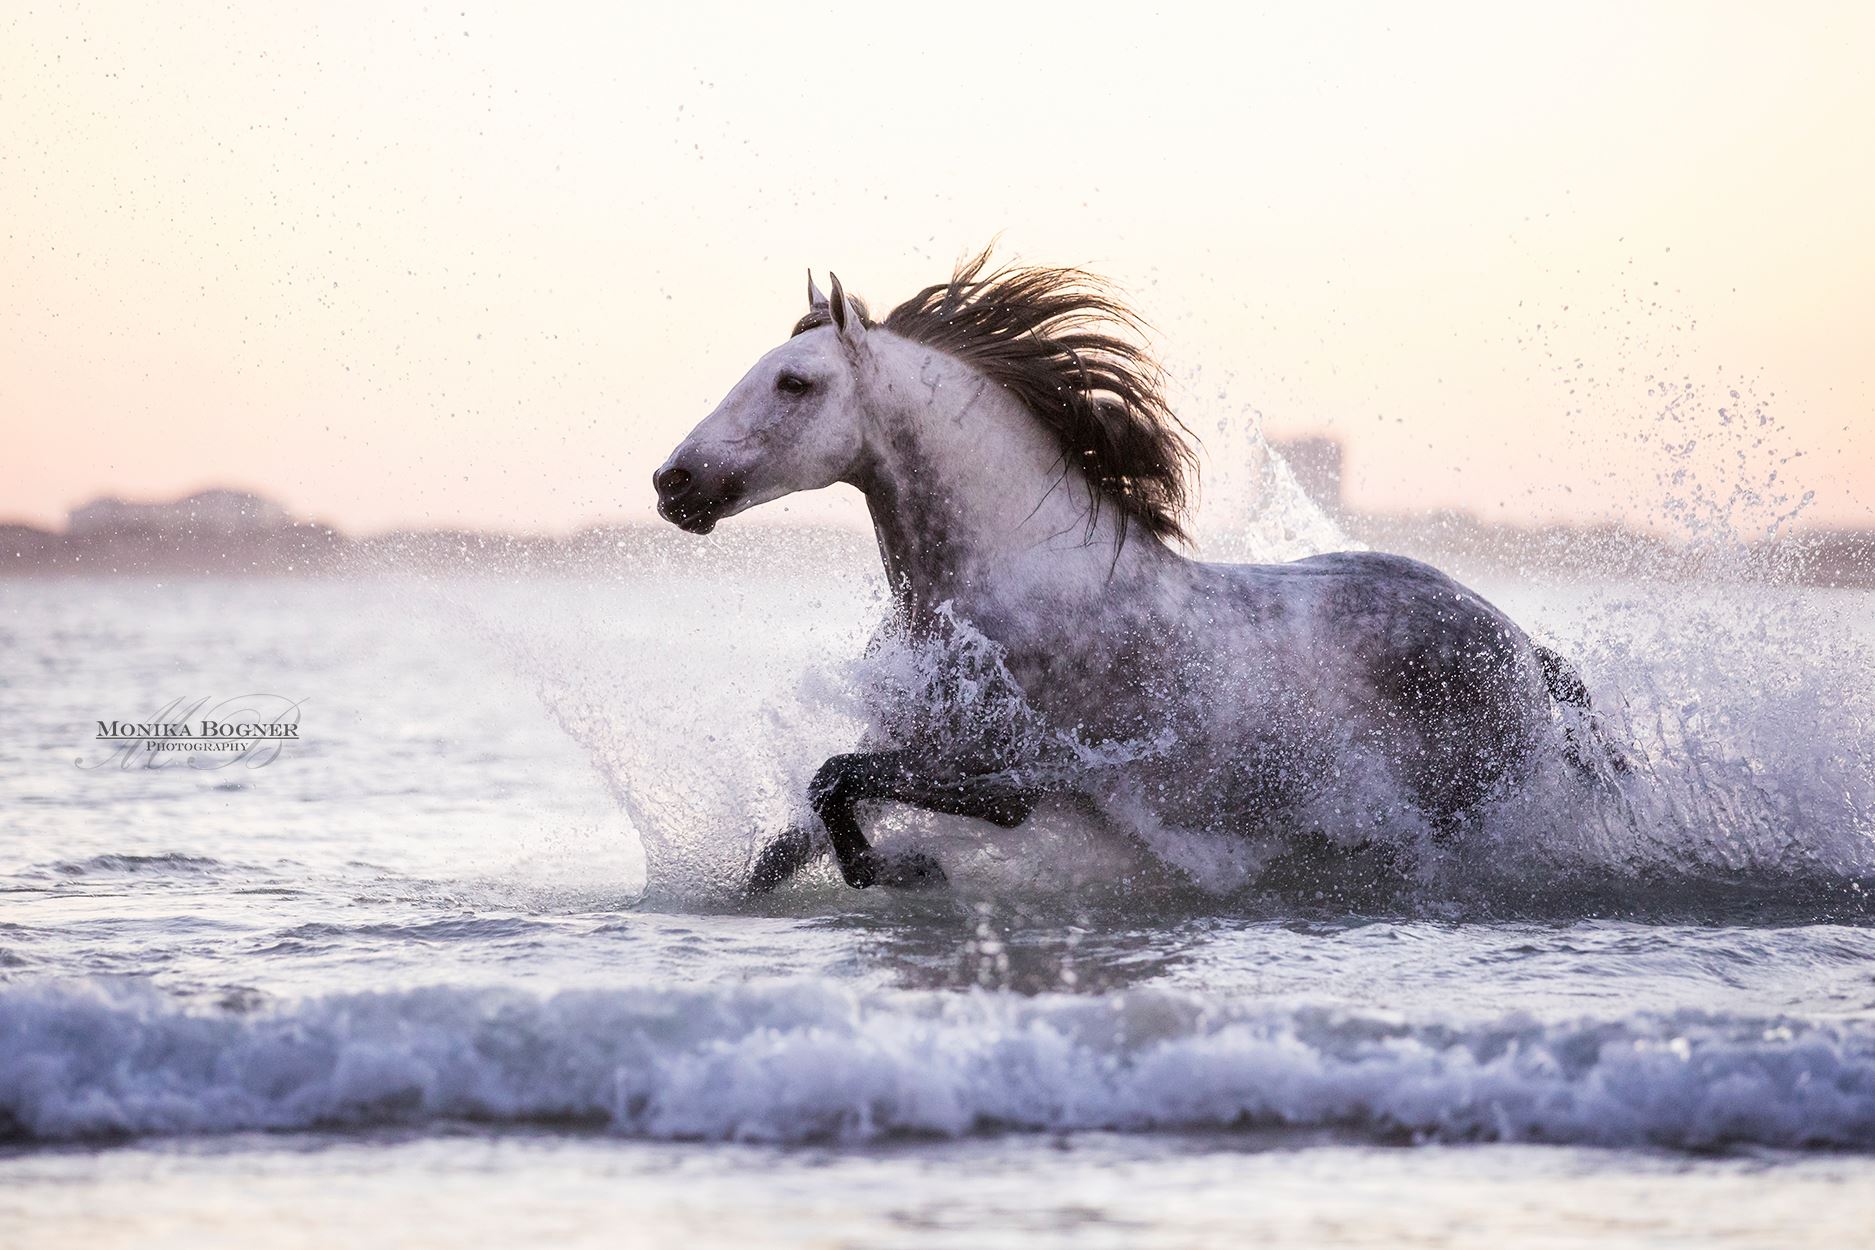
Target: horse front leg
(845, 781)
(784, 855)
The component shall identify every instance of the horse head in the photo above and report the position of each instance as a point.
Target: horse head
(791, 424)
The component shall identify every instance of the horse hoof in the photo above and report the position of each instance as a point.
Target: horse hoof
(913, 870)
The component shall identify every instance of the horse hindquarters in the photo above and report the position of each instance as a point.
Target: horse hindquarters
(1459, 710)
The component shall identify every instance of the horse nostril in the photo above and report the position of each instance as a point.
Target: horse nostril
(671, 481)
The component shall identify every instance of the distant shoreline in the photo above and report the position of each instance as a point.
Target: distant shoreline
(1467, 547)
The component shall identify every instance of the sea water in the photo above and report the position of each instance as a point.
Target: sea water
(465, 964)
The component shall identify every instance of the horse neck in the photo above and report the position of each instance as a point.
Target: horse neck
(969, 497)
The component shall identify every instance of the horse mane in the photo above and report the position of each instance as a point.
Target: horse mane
(1070, 349)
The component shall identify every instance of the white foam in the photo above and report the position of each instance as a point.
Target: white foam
(807, 1060)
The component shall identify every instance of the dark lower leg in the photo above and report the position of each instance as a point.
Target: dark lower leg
(786, 855)
(845, 781)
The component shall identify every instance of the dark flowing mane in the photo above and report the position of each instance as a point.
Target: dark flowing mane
(1070, 350)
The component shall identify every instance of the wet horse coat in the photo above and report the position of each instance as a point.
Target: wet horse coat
(1026, 482)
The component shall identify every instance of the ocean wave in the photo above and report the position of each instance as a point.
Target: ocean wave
(456, 929)
(172, 862)
(811, 1060)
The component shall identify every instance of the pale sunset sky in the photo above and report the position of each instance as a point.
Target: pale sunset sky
(400, 264)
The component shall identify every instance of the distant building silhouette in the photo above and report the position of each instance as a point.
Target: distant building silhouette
(209, 511)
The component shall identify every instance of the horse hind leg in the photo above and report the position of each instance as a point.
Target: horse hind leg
(1584, 743)
(1482, 733)
(1456, 725)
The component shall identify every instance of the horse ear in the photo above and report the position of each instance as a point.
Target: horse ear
(846, 317)
(816, 298)
(837, 305)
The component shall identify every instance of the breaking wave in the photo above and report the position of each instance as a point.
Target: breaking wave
(811, 1060)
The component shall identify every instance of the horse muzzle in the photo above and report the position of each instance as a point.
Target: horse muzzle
(694, 499)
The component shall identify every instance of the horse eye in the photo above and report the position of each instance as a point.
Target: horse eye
(793, 384)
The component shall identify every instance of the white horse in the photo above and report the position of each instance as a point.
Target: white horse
(1026, 481)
